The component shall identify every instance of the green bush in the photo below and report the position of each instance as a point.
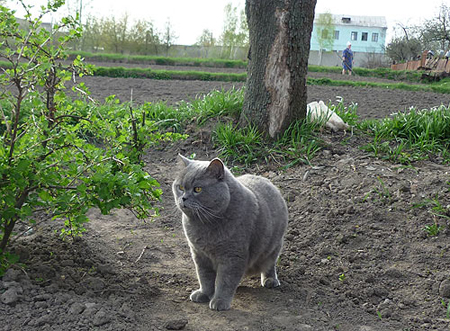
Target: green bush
(60, 156)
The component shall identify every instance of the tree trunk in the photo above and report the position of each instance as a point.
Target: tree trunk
(280, 33)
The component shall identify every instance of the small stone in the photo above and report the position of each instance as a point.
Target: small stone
(101, 318)
(76, 308)
(10, 296)
(444, 289)
(95, 284)
(179, 324)
(91, 309)
(11, 275)
(43, 320)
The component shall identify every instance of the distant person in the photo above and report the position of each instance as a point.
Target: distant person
(447, 55)
(347, 60)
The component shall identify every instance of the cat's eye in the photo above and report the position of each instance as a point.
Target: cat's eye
(181, 187)
(197, 189)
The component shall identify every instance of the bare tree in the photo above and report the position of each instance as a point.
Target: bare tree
(437, 29)
(280, 33)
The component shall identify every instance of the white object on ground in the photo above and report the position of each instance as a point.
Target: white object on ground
(320, 111)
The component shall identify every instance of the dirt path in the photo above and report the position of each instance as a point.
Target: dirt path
(356, 256)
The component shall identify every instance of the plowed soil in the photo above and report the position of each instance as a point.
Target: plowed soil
(356, 256)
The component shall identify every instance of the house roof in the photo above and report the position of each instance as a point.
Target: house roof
(355, 20)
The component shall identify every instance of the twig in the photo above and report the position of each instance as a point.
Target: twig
(140, 255)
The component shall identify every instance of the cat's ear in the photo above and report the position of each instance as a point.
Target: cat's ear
(216, 168)
(184, 160)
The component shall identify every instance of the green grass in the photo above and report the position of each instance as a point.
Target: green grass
(160, 60)
(298, 145)
(410, 136)
(242, 145)
(441, 87)
(167, 74)
(214, 104)
(387, 73)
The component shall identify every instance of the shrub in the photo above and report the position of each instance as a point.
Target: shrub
(57, 155)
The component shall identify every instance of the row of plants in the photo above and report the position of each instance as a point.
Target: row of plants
(414, 76)
(167, 74)
(404, 138)
(439, 87)
(158, 60)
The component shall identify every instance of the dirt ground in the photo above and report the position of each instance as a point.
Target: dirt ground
(355, 257)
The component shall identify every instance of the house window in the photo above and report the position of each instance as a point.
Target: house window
(336, 35)
(324, 34)
(354, 35)
(375, 37)
(346, 20)
(364, 36)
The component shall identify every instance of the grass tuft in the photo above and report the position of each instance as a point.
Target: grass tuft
(410, 136)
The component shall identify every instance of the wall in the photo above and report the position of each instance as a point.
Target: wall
(359, 24)
(361, 59)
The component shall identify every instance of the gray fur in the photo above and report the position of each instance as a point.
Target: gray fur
(234, 226)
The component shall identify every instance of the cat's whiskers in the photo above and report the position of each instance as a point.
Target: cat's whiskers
(209, 213)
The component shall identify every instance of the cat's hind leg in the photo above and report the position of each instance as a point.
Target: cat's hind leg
(269, 278)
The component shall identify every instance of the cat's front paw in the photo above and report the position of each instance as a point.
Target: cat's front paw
(199, 296)
(219, 304)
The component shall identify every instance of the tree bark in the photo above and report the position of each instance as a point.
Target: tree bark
(280, 34)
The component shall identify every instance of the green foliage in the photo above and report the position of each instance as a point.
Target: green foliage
(433, 229)
(118, 35)
(413, 76)
(410, 136)
(325, 31)
(435, 207)
(398, 86)
(62, 156)
(348, 114)
(380, 191)
(235, 31)
(167, 74)
(300, 142)
(160, 60)
(239, 145)
(403, 48)
(215, 103)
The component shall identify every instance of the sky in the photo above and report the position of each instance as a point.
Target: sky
(190, 17)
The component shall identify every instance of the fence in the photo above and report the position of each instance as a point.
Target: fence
(434, 64)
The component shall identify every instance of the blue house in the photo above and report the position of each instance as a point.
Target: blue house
(366, 33)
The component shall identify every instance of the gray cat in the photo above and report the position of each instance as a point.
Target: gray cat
(234, 227)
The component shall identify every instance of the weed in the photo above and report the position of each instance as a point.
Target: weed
(381, 191)
(437, 209)
(446, 307)
(342, 277)
(241, 145)
(433, 229)
(410, 136)
(299, 143)
(348, 114)
(379, 315)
